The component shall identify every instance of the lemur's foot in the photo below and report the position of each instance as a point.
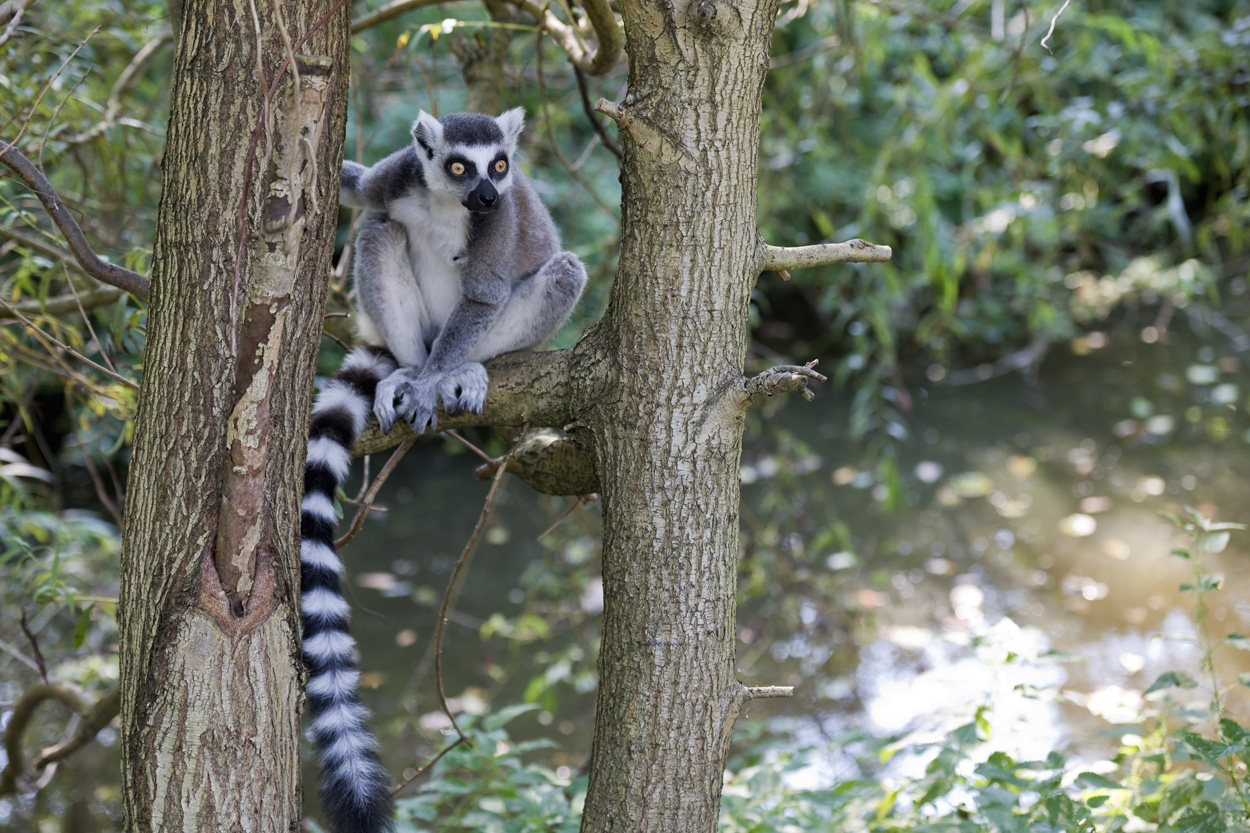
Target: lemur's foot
(464, 389)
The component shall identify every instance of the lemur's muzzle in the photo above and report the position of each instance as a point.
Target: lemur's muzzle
(482, 198)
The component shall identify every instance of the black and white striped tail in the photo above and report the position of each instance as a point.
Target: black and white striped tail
(355, 790)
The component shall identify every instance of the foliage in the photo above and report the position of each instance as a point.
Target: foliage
(1025, 193)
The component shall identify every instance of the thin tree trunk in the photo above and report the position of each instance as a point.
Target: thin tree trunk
(661, 385)
(208, 617)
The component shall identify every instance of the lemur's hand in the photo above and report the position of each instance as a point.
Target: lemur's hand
(393, 394)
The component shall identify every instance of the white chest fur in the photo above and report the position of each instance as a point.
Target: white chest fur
(438, 229)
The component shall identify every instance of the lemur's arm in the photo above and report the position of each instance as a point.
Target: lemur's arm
(370, 187)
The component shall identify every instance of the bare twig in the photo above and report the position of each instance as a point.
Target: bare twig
(423, 770)
(481, 455)
(577, 501)
(34, 647)
(1051, 30)
(766, 692)
(113, 105)
(461, 563)
(389, 11)
(66, 304)
(366, 502)
(92, 264)
(778, 258)
(589, 109)
(30, 114)
(86, 320)
(781, 379)
(38, 332)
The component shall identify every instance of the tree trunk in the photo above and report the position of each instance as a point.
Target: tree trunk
(209, 618)
(662, 401)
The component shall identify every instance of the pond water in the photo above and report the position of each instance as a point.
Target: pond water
(1012, 555)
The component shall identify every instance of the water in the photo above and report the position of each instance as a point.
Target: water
(1024, 564)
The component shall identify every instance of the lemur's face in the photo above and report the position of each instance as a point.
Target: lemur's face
(469, 155)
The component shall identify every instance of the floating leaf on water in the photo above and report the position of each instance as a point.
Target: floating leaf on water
(1078, 525)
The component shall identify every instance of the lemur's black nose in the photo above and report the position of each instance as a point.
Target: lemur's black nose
(482, 198)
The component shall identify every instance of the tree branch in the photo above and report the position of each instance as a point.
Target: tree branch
(602, 20)
(524, 387)
(786, 378)
(766, 692)
(780, 258)
(12, 10)
(63, 304)
(71, 695)
(548, 462)
(92, 264)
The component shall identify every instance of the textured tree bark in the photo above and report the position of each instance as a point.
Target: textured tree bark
(209, 618)
(659, 390)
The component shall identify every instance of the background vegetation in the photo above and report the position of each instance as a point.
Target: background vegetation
(1040, 199)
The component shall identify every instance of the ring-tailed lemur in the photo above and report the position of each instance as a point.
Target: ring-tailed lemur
(457, 261)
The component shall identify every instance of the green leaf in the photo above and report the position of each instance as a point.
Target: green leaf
(1203, 817)
(80, 628)
(1179, 794)
(1098, 782)
(1171, 679)
(1179, 553)
(1239, 641)
(1213, 542)
(502, 717)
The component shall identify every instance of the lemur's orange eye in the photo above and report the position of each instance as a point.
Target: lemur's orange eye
(501, 165)
(456, 168)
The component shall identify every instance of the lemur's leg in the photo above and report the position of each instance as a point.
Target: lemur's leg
(389, 300)
(537, 308)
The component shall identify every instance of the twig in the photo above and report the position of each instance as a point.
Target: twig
(461, 563)
(112, 106)
(90, 329)
(589, 109)
(92, 264)
(777, 258)
(1051, 30)
(389, 11)
(482, 455)
(395, 792)
(118, 378)
(766, 692)
(34, 647)
(366, 506)
(93, 721)
(47, 86)
(577, 501)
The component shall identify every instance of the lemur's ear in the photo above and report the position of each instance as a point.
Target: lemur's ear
(511, 122)
(427, 132)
